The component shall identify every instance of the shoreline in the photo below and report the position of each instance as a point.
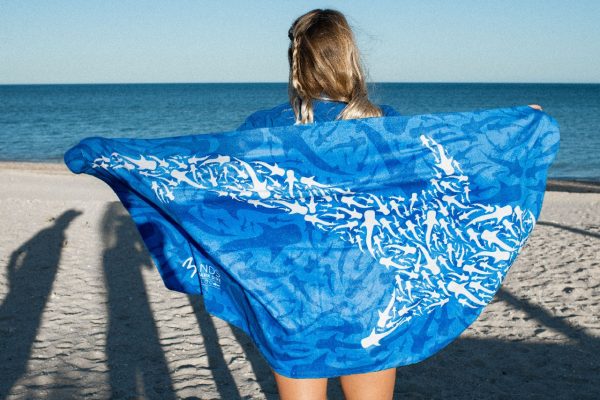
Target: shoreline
(553, 184)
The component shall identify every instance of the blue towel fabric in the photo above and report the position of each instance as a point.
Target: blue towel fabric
(339, 247)
(283, 115)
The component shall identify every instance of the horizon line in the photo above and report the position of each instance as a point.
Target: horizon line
(285, 82)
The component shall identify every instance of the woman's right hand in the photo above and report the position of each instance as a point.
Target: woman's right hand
(535, 106)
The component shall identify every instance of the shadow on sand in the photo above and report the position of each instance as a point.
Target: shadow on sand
(31, 271)
(468, 368)
(572, 229)
(136, 362)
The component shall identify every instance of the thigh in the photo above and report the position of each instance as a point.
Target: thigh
(301, 389)
(377, 385)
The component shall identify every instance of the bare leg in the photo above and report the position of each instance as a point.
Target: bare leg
(377, 385)
(301, 389)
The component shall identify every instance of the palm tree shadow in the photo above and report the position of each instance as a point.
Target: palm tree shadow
(136, 362)
(31, 272)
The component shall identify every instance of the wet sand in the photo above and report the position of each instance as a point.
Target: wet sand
(83, 312)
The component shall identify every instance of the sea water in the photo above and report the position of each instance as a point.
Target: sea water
(40, 122)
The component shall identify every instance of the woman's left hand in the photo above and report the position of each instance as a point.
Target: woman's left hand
(535, 106)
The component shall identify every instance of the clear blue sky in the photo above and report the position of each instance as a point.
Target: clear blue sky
(90, 41)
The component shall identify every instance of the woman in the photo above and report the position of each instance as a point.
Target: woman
(326, 80)
(174, 189)
(326, 83)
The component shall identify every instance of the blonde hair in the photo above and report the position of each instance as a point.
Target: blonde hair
(324, 61)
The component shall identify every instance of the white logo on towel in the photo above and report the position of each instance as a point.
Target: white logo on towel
(207, 273)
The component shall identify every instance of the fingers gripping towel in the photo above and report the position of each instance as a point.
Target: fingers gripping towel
(340, 247)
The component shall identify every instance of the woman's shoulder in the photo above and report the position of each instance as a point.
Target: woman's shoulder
(389, 111)
(279, 115)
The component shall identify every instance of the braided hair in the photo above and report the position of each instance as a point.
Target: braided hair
(325, 63)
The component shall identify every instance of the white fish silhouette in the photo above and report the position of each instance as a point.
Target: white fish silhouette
(441, 245)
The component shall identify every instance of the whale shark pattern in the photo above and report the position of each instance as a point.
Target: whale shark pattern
(436, 243)
(340, 247)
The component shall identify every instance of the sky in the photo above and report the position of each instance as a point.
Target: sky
(126, 41)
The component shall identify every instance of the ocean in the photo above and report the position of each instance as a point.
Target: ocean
(40, 122)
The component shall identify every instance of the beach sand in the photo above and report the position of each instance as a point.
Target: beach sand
(83, 312)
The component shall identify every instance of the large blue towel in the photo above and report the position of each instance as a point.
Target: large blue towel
(339, 247)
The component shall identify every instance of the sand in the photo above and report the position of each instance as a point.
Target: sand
(83, 312)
